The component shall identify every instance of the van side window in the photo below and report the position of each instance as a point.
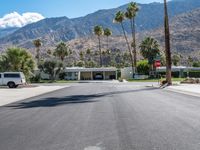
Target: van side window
(13, 75)
(0, 75)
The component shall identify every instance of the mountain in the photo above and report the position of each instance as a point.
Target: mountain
(53, 30)
(185, 37)
(185, 34)
(7, 31)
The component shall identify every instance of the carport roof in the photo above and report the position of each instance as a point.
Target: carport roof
(77, 69)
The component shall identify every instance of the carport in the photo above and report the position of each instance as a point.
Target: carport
(92, 73)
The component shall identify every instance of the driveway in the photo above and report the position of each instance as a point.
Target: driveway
(102, 116)
(12, 95)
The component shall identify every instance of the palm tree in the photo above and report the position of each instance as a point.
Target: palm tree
(17, 59)
(107, 33)
(167, 45)
(37, 43)
(131, 14)
(119, 18)
(149, 49)
(98, 30)
(61, 51)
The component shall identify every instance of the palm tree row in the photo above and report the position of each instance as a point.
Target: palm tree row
(130, 14)
(99, 31)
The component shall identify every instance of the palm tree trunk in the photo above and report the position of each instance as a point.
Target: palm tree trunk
(134, 43)
(107, 42)
(100, 51)
(134, 47)
(167, 45)
(38, 55)
(128, 47)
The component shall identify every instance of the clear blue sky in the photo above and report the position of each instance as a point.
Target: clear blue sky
(57, 8)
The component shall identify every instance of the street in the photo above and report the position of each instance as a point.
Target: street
(102, 116)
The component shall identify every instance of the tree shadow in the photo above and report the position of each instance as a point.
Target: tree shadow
(72, 99)
(56, 101)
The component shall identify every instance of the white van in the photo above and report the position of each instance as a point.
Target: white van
(12, 79)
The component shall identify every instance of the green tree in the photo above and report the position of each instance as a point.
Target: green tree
(51, 67)
(61, 51)
(149, 49)
(143, 67)
(37, 43)
(80, 63)
(167, 46)
(175, 60)
(89, 54)
(196, 64)
(81, 54)
(107, 33)
(49, 52)
(131, 14)
(98, 31)
(90, 64)
(17, 59)
(189, 61)
(119, 18)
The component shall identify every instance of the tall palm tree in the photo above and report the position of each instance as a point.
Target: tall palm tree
(119, 18)
(98, 30)
(167, 45)
(37, 43)
(131, 14)
(107, 33)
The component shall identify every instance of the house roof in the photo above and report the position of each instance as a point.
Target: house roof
(77, 69)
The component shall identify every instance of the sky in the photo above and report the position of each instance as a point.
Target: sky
(17, 13)
(57, 8)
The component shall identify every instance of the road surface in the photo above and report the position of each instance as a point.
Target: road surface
(102, 116)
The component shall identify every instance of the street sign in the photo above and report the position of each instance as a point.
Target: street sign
(157, 63)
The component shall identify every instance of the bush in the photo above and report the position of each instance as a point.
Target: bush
(143, 67)
(35, 79)
(62, 75)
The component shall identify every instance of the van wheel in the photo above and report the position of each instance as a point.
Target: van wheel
(11, 85)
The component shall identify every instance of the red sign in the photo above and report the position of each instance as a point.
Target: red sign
(157, 63)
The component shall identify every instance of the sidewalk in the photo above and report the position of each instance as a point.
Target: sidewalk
(189, 89)
(12, 95)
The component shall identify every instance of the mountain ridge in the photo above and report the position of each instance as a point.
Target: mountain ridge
(53, 30)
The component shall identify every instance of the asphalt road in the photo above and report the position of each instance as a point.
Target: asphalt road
(102, 116)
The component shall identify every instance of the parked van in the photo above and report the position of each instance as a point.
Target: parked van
(12, 79)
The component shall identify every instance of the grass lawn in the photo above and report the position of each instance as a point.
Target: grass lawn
(154, 80)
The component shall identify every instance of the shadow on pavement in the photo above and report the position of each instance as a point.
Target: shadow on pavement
(73, 99)
(53, 101)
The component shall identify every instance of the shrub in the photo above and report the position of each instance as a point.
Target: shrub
(143, 67)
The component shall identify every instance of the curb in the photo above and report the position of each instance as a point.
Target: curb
(183, 92)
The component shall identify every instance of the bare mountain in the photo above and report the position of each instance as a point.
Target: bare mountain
(185, 35)
(53, 30)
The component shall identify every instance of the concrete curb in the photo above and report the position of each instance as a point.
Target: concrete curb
(183, 92)
(177, 91)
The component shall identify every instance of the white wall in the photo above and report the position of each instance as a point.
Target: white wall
(126, 73)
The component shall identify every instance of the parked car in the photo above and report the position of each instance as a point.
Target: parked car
(12, 79)
(98, 77)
